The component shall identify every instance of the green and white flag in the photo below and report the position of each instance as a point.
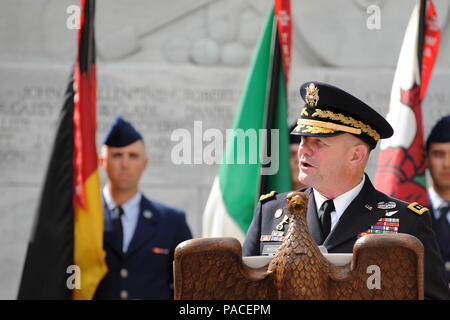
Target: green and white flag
(249, 167)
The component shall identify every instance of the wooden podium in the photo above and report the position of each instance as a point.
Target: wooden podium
(383, 266)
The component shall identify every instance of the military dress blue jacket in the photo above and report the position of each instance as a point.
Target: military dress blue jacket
(443, 240)
(145, 271)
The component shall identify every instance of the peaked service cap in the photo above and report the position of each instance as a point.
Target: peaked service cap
(330, 111)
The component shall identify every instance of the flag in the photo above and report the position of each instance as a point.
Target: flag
(65, 257)
(401, 161)
(262, 107)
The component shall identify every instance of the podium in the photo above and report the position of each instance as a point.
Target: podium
(382, 267)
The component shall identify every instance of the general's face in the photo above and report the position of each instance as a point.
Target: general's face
(439, 164)
(124, 166)
(323, 161)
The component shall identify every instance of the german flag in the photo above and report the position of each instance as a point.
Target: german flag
(65, 257)
(401, 161)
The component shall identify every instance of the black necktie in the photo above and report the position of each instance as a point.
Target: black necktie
(117, 226)
(325, 219)
(444, 210)
(441, 228)
(442, 223)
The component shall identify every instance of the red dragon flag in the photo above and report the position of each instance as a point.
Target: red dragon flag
(88, 213)
(401, 162)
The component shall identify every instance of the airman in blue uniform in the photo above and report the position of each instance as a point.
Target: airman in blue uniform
(140, 235)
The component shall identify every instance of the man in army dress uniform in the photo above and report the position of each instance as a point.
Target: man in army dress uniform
(338, 132)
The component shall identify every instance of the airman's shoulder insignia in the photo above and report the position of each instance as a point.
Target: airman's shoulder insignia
(267, 196)
(417, 208)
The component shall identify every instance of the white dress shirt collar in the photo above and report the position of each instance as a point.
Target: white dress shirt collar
(130, 218)
(127, 206)
(435, 201)
(340, 203)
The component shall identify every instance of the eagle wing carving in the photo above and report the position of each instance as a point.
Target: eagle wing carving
(384, 266)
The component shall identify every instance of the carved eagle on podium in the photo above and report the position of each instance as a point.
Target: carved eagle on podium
(213, 268)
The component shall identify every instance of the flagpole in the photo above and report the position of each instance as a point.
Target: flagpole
(272, 101)
(421, 33)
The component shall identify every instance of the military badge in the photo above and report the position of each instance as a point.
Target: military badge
(312, 95)
(391, 213)
(278, 213)
(270, 238)
(148, 214)
(386, 205)
(160, 250)
(269, 250)
(383, 225)
(277, 233)
(280, 226)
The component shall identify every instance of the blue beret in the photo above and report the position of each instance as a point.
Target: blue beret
(440, 131)
(330, 111)
(121, 133)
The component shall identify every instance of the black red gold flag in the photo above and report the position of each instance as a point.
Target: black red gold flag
(65, 257)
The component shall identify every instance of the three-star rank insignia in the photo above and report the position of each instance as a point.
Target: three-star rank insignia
(417, 208)
(267, 196)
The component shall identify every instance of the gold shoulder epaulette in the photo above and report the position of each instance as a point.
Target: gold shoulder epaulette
(417, 208)
(267, 196)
